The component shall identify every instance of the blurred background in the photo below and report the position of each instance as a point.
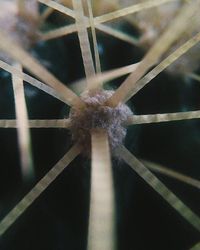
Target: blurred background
(58, 219)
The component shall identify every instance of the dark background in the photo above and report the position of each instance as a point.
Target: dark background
(58, 219)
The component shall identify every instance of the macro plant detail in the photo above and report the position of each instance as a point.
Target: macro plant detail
(98, 119)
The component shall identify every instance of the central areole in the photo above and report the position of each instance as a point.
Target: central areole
(96, 114)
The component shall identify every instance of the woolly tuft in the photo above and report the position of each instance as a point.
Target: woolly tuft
(97, 115)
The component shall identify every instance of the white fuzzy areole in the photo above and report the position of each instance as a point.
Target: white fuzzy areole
(20, 30)
(98, 115)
